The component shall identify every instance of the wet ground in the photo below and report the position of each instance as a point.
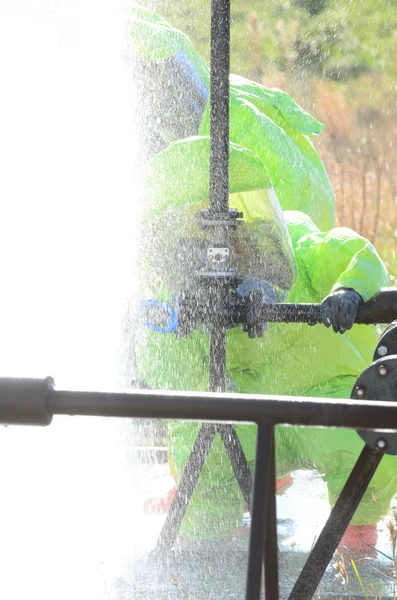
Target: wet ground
(217, 570)
(73, 526)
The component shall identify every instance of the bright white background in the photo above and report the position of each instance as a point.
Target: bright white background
(67, 154)
(68, 507)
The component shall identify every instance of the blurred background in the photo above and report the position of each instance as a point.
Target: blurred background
(338, 60)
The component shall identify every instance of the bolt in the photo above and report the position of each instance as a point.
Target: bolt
(360, 391)
(381, 444)
(382, 350)
(383, 370)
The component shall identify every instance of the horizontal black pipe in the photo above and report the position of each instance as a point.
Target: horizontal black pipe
(219, 311)
(35, 401)
(225, 408)
(382, 308)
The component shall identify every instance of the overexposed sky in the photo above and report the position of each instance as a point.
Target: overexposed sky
(67, 189)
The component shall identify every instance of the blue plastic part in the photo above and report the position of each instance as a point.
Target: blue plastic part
(172, 323)
(186, 78)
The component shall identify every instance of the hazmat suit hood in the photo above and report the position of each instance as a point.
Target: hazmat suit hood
(172, 82)
(174, 102)
(176, 189)
(299, 225)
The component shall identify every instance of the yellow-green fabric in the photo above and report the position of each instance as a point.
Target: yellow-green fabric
(261, 245)
(149, 37)
(269, 123)
(291, 359)
(264, 120)
(269, 146)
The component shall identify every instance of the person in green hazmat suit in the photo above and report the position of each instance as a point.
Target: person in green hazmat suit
(295, 254)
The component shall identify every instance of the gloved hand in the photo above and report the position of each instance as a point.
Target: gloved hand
(339, 309)
(257, 291)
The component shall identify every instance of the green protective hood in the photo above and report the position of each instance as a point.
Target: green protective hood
(276, 129)
(266, 121)
(152, 38)
(180, 174)
(176, 188)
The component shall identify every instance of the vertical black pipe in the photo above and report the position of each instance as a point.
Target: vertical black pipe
(219, 105)
(219, 203)
(218, 360)
(219, 161)
(271, 545)
(259, 511)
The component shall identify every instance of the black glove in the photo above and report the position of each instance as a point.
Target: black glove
(256, 292)
(339, 309)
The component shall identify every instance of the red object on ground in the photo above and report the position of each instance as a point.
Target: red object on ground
(356, 538)
(284, 483)
(159, 505)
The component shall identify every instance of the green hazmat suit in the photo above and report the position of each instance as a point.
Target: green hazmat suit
(269, 150)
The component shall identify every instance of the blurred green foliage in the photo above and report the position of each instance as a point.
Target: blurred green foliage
(336, 39)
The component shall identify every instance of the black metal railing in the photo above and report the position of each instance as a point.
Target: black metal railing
(34, 402)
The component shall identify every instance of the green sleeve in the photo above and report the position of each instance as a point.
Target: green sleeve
(340, 258)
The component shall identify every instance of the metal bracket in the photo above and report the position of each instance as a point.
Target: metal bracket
(218, 254)
(387, 345)
(378, 381)
(229, 219)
